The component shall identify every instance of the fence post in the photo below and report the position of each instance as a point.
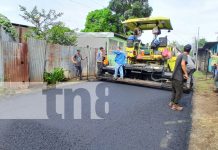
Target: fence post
(87, 61)
(45, 62)
(1, 66)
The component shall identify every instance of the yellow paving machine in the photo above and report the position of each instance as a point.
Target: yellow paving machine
(148, 64)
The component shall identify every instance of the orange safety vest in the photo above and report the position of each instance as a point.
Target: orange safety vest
(105, 61)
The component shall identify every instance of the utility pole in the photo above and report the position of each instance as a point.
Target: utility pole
(197, 46)
(195, 51)
(217, 36)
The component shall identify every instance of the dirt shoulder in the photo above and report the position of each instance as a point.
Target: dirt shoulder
(204, 135)
(35, 87)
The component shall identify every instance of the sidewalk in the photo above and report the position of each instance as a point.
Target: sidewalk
(34, 87)
(204, 134)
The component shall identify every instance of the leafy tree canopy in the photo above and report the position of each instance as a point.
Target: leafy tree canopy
(177, 45)
(201, 42)
(40, 19)
(101, 21)
(109, 19)
(131, 8)
(59, 34)
(7, 26)
(46, 26)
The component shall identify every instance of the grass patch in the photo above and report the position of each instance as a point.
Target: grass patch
(199, 75)
(202, 84)
(2, 91)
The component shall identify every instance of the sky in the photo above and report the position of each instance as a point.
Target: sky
(187, 16)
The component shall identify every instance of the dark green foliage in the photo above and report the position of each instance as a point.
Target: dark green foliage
(59, 34)
(110, 19)
(35, 33)
(101, 21)
(131, 8)
(201, 42)
(56, 76)
(7, 26)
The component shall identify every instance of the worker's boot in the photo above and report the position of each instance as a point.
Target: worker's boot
(176, 107)
(170, 104)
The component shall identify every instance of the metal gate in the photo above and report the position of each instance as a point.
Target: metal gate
(15, 60)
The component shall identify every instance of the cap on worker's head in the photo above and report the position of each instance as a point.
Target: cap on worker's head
(101, 48)
(78, 50)
(187, 48)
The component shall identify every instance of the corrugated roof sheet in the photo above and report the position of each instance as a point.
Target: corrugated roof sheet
(95, 34)
(209, 45)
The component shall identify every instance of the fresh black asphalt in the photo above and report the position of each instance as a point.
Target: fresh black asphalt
(138, 119)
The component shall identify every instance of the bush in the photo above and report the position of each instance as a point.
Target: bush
(60, 34)
(7, 26)
(56, 76)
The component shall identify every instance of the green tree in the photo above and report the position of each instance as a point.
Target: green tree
(7, 26)
(201, 42)
(102, 20)
(177, 45)
(42, 20)
(109, 19)
(59, 34)
(130, 8)
(46, 26)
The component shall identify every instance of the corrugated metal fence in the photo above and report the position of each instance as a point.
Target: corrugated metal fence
(14, 64)
(22, 63)
(5, 36)
(46, 57)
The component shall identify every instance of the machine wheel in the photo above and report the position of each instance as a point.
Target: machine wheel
(127, 73)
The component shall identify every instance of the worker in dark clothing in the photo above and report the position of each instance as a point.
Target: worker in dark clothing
(214, 68)
(76, 59)
(179, 76)
(99, 60)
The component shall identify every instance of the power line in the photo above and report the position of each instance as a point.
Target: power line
(81, 4)
(96, 2)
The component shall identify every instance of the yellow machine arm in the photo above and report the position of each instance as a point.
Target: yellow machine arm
(148, 23)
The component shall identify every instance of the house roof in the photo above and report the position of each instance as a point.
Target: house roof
(120, 36)
(100, 35)
(209, 45)
(96, 34)
(21, 25)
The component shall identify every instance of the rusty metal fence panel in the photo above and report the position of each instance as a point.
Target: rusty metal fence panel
(1, 66)
(67, 64)
(53, 57)
(65, 57)
(46, 57)
(59, 56)
(15, 59)
(21, 63)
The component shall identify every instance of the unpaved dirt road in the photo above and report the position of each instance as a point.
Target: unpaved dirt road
(205, 117)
